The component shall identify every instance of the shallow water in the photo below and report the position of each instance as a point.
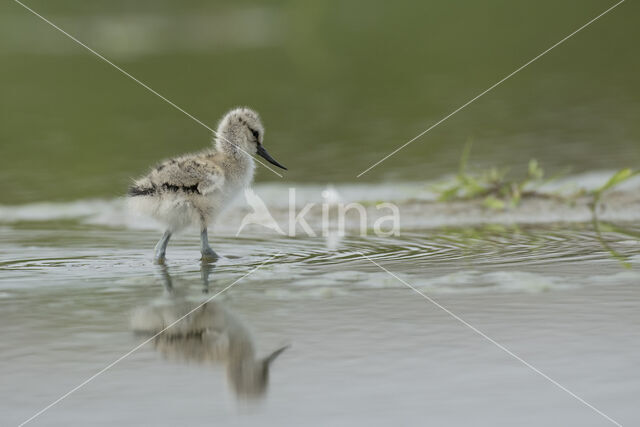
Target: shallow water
(364, 348)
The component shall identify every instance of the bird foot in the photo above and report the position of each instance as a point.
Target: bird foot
(208, 254)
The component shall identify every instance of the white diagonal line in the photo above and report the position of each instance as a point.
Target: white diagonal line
(494, 342)
(141, 83)
(489, 89)
(127, 354)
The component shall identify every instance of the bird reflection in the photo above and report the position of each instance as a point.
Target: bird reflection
(210, 335)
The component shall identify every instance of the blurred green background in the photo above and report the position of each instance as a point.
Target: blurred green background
(339, 85)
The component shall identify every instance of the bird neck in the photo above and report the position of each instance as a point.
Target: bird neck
(241, 166)
(241, 163)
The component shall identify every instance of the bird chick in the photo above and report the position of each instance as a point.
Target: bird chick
(193, 189)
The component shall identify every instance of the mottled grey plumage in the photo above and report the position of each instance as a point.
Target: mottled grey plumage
(195, 188)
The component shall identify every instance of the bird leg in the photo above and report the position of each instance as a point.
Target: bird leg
(161, 248)
(207, 253)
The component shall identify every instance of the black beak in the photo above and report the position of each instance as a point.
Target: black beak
(263, 153)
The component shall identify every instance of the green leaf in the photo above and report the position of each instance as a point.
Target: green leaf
(473, 187)
(620, 176)
(535, 171)
(493, 203)
(494, 175)
(449, 193)
(464, 159)
(516, 196)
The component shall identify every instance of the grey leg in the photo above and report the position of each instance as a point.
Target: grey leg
(161, 248)
(207, 253)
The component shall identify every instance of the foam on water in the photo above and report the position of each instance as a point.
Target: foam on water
(415, 201)
(458, 247)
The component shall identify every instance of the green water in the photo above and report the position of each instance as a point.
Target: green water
(339, 85)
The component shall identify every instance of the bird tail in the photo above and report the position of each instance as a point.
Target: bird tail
(137, 190)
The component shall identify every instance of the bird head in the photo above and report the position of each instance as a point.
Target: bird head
(241, 130)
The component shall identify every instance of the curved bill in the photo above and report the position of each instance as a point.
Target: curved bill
(263, 153)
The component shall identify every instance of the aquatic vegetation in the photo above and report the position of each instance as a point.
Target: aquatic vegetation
(617, 178)
(499, 191)
(599, 227)
(494, 186)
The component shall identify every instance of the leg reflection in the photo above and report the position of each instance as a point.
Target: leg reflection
(165, 277)
(205, 271)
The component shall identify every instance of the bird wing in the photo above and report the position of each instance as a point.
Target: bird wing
(190, 174)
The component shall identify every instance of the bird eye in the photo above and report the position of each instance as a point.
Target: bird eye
(255, 133)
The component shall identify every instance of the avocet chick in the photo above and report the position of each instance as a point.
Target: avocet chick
(194, 188)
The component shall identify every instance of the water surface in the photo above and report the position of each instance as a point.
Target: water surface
(339, 85)
(364, 348)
